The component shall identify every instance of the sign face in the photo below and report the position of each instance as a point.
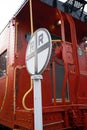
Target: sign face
(38, 51)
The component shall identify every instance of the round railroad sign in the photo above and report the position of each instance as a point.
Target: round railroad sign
(38, 51)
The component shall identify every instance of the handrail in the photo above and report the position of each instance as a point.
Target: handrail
(17, 67)
(25, 95)
(31, 16)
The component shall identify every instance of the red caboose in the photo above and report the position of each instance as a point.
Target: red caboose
(64, 95)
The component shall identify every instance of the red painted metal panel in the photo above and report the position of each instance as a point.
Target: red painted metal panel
(85, 121)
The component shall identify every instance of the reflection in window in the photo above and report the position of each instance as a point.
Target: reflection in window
(3, 57)
(27, 37)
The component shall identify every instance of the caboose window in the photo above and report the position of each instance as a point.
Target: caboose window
(3, 57)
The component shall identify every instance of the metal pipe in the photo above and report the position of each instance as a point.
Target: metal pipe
(31, 16)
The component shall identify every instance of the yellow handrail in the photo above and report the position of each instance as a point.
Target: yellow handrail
(31, 16)
(17, 67)
(25, 95)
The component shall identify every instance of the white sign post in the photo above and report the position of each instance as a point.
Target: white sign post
(37, 57)
(38, 122)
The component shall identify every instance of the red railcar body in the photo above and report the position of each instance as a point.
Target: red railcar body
(64, 92)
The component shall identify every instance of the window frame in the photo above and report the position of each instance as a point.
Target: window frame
(3, 64)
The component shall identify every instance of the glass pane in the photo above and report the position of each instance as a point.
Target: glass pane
(3, 58)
